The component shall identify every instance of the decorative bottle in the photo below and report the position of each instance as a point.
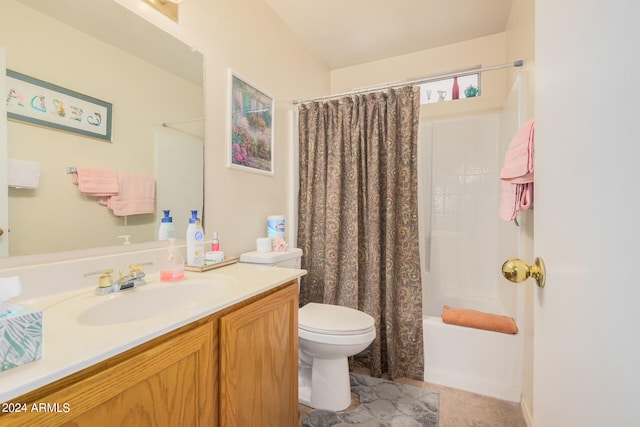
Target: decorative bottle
(455, 90)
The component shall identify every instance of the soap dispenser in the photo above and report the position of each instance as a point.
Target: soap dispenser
(167, 230)
(173, 265)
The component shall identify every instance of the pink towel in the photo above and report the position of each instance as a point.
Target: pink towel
(136, 195)
(514, 199)
(517, 174)
(96, 182)
(518, 160)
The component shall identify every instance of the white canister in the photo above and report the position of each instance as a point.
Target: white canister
(214, 257)
(263, 244)
(275, 228)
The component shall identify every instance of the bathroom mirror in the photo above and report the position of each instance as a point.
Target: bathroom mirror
(154, 82)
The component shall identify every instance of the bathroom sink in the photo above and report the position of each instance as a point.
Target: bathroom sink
(150, 301)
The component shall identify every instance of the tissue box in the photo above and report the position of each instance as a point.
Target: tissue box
(20, 335)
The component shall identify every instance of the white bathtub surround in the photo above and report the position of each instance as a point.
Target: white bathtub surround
(484, 362)
(464, 245)
(467, 240)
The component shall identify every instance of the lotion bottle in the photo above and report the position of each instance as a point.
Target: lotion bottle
(195, 241)
(167, 230)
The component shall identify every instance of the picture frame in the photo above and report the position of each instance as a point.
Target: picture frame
(40, 103)
(250, 127)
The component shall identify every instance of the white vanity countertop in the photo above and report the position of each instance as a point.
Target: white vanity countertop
(78, 334)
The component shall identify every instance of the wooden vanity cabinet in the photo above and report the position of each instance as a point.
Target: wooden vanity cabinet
(259, 363)
(237, 367)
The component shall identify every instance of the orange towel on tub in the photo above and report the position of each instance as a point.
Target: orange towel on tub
(479, 320)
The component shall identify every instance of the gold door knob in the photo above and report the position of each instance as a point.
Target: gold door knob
(516, 271)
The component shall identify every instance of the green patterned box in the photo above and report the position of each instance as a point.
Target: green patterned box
(20, 335)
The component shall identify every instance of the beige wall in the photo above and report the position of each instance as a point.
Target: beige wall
(56, 216)
(248, 37)
(480, 52)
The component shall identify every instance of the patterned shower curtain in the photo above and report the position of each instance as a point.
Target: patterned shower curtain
(358, 218)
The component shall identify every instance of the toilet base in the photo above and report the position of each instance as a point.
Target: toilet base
(329, 386)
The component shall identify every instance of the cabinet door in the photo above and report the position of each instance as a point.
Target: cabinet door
(170, 384)
(259, 362)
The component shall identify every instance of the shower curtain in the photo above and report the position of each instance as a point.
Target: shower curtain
(358, 219)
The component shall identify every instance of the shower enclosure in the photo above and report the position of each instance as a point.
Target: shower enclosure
(464, 246)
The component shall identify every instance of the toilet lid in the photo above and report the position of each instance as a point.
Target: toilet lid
(333, 320)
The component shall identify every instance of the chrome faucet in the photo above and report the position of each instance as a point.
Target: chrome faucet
(107, 285)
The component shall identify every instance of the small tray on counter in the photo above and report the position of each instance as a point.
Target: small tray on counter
(207, 267)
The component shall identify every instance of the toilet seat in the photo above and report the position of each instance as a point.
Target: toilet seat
(338, 340)
(328, 319)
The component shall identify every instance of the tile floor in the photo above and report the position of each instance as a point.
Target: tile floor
(459, 408)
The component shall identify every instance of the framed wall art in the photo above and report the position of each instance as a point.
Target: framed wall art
(250, 145)
(44, 104)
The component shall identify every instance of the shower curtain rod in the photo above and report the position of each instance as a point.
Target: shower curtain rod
(169, 124)
(172, 125)
(517, 63)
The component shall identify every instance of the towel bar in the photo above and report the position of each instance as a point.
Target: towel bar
(72, 170)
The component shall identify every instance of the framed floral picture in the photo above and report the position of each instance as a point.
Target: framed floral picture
(250, 145)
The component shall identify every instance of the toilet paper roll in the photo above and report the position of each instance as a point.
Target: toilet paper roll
(10, 287)
(263, 244)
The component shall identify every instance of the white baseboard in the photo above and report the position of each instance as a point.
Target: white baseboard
(526, 413)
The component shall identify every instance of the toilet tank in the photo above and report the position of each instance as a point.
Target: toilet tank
(290, 258)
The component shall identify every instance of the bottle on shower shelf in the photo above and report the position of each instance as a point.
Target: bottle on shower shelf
(455, 90)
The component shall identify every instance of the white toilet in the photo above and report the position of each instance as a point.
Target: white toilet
(328, 335)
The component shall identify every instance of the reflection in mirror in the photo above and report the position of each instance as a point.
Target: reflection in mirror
(102, 50)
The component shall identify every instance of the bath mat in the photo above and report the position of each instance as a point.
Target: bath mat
(382, 403)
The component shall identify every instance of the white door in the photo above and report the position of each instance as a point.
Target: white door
(587, 214)
(4, 195)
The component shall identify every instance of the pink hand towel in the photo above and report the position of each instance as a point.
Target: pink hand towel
(96, 182)
(508, 204)
(136, 195)
(517, 174)
(514, 199)
(518, 160)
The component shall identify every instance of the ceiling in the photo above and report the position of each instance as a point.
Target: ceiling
(135, 35)
(348, 32)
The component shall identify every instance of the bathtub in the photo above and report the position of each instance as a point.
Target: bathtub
(484, 362)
